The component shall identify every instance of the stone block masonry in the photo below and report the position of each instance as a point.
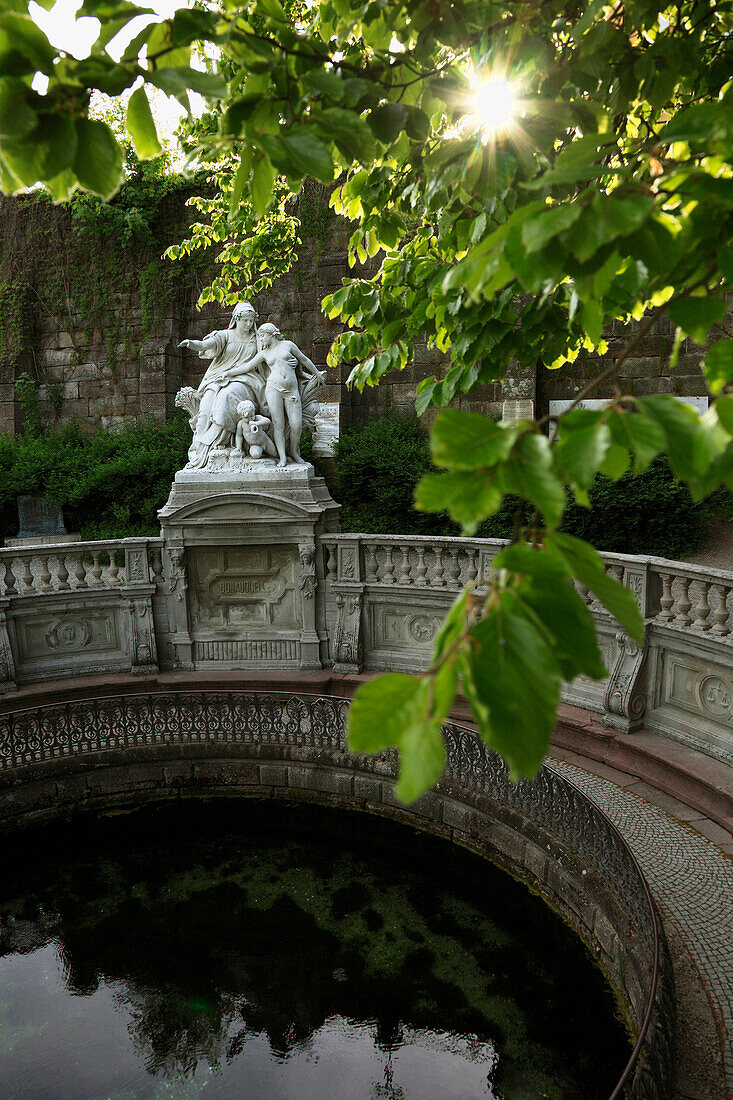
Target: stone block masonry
(103, 348)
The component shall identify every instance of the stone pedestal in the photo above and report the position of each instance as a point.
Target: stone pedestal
(243, 559)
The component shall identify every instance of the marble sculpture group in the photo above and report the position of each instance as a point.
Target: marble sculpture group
(256, 396)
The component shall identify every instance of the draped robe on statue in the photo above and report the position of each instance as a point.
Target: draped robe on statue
(216, 421)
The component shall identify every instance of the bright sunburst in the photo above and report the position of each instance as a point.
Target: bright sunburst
(493, 106)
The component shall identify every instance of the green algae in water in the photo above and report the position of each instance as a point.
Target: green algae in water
(259, 950)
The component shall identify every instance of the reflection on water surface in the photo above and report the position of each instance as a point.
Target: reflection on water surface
(264, 951)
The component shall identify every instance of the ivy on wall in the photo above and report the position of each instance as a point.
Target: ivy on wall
(82, 268)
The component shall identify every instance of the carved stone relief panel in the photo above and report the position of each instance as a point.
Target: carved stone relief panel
(236, 588)
(401, 626)
(67, 634)
(695, 686)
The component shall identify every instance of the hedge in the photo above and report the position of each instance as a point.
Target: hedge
(112, 485)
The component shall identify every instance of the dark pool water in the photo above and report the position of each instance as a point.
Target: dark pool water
(265, 951)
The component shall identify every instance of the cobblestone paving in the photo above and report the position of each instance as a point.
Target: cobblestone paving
(691, 880)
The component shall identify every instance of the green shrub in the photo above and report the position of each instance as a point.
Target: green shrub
(378, 465)
(652, 513)
(110, 486)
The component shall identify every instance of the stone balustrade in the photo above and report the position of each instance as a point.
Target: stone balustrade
(352, 602)
(74, 608)
(67, 567)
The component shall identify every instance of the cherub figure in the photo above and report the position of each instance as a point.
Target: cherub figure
(252, 431)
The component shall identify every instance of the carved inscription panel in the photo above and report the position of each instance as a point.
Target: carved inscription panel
(235, 588)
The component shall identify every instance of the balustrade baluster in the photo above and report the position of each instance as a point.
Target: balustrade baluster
(702, 610)
(80, 571)
(454, 568)
(405, 575)
(720, 626)
(372, 567)
(62, 573)
(421, 566)
(96, 567)
(388, 577)
(439, 570)
(113, 570)
(682, 617)
(472, 567)
(666, 600)
(27, 576)
(10, 578)
(45, 575)
(157, 565)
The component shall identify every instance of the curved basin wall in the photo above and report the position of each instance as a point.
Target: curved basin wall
(156, 745)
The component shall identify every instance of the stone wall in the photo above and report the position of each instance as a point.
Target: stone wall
(97, 326)
(643, 373)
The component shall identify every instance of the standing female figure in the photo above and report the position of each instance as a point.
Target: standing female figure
(230, 379)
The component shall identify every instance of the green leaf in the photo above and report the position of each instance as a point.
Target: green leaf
(529, 561)
(512, 680)
(528, 472)
(623, 213)
(241, 179)
(140, 125)
(583, 443)
(724, 409)
(324, 83)
(308, 155)
(453, 626)
(98, 160)
(388, 120)
(394, 710)
(701, 122)
(422, 759)
(349, 132)
(20, 35)
(569, 624)
(638, 433)
(691, 446)
(17, 116)
(593, 317)
(467, 441)
(696, 316)
(45, 152)
(616, 462)
(381, 710)
(177, 79)
(468, 496)
(718, 366)
(538, 231)
(263, 182)
(586, 565)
